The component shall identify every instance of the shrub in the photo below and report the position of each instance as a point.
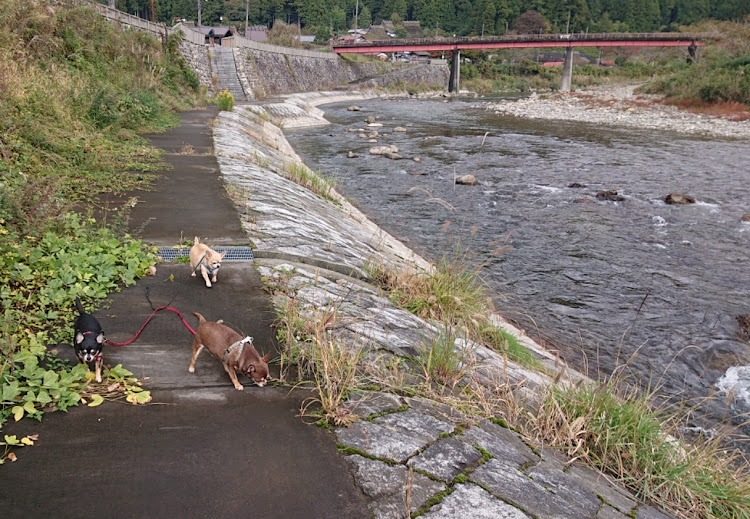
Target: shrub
(226, 100)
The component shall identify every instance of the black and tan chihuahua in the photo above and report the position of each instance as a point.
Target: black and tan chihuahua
(88, 340)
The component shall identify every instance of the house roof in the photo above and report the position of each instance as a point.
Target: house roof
(375, 33)
(413, 28)
(215, 31)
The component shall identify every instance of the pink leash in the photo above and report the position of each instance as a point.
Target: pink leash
(147, 321)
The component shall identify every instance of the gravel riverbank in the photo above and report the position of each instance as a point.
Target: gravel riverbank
(620, 106)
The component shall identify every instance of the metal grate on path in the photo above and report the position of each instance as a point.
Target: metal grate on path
(232, 253)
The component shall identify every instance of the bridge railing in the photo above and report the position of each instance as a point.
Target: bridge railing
(673, 36)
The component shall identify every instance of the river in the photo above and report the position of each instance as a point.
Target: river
(595, 280)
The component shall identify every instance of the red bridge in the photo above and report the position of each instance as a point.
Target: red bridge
(567, 41)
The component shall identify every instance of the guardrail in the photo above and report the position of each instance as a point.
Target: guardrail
(129, 19)
(190, 35)
(198, 38)
(242, 42)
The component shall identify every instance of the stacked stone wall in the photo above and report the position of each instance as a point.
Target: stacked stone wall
(271, 74)
(196, 56)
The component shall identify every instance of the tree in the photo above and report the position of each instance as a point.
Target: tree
(394, 6)
(312, 12)
(322, 35)
(272, 10)
(488, 19)
(418, 9)
(530, 22)
(338, 18)
(690, 11)
(365, 17)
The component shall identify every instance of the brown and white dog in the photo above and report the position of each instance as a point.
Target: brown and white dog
(234, 352)
(208, 260)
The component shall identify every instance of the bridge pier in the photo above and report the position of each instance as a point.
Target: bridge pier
(567, 72)
(455, 75)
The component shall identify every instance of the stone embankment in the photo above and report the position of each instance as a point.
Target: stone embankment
(431, 453)
(620, 106)
(265, 74)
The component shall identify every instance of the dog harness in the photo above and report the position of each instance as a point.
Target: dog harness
(205, 266)
(241, 343)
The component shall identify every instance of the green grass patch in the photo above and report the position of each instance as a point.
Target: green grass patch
(439, 359)
(616, 430)
(505, 343)
(314, 181)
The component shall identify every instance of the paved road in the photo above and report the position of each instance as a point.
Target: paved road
(202, 448)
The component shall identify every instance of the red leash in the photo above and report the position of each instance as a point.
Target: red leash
(147, 321)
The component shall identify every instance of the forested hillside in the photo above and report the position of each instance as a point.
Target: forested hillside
(461, 17)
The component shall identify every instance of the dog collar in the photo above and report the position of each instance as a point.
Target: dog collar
(241, 343)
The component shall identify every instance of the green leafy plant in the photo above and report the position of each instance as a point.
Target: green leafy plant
(11, 441)
(40, 277)
(225, 100)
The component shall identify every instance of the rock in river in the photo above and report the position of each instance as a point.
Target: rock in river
(610, 195)
(467, 180)
(678, 199)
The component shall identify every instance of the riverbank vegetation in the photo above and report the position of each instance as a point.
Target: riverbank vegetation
(606, 423)
(76, 91)
(716, 81)
(720, 76)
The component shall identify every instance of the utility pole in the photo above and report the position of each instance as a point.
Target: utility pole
(356, 16)
(537, 49)
(153, 12)
(199, 13)
(247, 16)
(437, 26)
(567, 25)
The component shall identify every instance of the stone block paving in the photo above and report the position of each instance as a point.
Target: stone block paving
(417, 455)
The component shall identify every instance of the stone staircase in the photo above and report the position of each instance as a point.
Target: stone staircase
(224, 71)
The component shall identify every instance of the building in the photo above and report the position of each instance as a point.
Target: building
(214, 35)
(414, 29)
(256, 33)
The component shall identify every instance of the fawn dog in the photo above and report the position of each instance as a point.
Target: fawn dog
(208, 260)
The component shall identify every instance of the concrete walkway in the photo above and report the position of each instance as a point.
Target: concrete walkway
(201, 448)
